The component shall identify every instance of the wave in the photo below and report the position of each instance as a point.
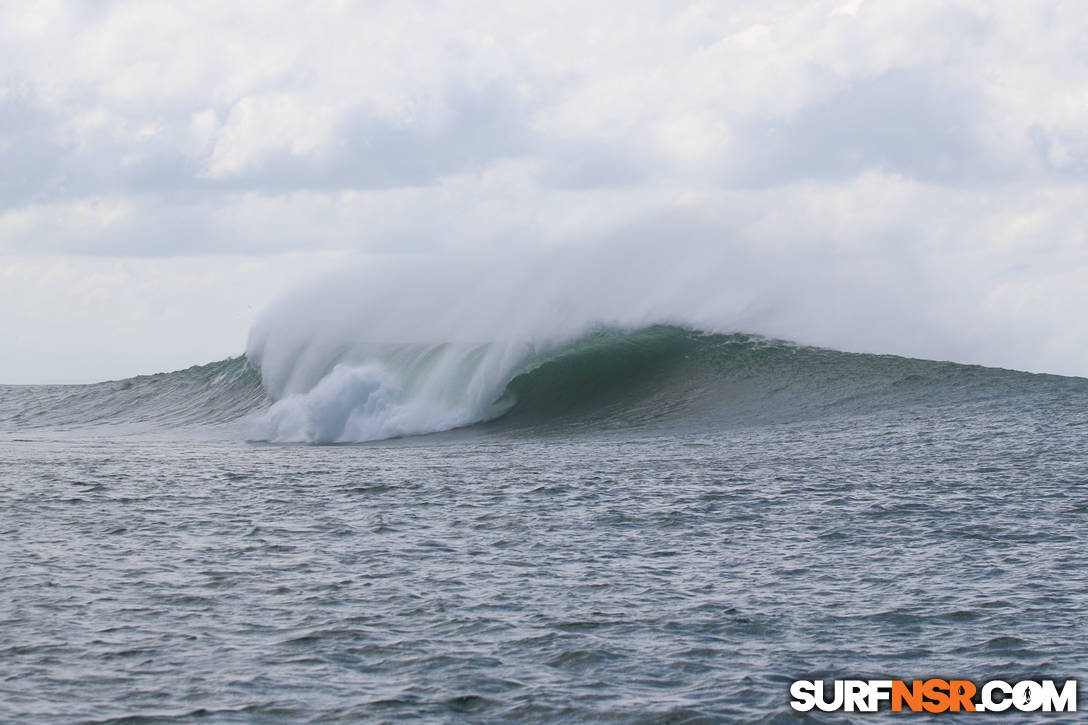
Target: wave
(658, 378)
(202, 396)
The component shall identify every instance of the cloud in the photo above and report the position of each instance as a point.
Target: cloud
(901, 122)
(914, 134)
(150, 98)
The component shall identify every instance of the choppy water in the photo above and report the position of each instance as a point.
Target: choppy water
(810, 515)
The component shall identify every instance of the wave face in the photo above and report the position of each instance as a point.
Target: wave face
(658, 379)
(202, 396)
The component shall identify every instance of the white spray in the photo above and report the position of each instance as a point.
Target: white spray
(415, 344)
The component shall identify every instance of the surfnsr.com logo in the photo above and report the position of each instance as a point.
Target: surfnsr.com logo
(934, 695)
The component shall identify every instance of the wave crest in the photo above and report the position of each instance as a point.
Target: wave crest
(660, 379)
(612, 378)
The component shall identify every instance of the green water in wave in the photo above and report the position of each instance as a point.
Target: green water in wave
(203, 395)
(672, 377)
(660, 376)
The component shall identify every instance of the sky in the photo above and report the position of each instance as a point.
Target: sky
(170, 169)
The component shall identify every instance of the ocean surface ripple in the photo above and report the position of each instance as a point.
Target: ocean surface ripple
(631, 560)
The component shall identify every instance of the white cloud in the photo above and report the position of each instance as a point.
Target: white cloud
(259, 125)
(942, 136)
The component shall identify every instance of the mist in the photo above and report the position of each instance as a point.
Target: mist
(409, 344)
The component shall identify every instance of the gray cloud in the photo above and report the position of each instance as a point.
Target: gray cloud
(905, 122)
(33, 161)
(476, 128)
(366, 152)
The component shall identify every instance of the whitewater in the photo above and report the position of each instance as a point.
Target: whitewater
(600, 490)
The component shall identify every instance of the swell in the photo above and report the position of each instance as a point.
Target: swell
(663, 378)
(209, 395)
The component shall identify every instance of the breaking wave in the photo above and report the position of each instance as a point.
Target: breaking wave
(658, 378)
(661, 376)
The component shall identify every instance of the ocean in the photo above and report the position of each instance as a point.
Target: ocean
(642, 525)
